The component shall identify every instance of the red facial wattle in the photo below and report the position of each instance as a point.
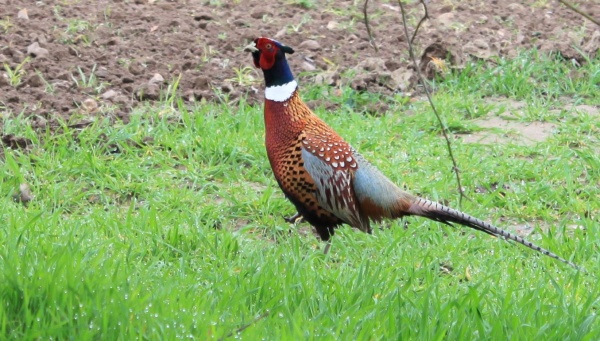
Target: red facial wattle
(268, 51)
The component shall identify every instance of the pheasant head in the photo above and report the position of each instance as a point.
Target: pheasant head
(269, 56)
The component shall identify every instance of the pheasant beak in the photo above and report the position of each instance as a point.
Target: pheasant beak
(251, 48)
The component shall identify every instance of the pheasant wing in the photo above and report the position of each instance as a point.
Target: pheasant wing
(332, 167)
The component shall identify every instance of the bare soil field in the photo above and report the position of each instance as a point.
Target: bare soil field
(76, 59)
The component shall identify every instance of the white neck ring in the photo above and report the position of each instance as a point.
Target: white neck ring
(281, 93)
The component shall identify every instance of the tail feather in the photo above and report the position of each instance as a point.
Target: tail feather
(435, 211)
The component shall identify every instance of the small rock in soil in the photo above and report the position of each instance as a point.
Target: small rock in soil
(401, 79)
(241, 23)
(17, 56)
(593, 43)
(352, 38)
(3, 80)
(202, 83)
(360, 82)
(156, 79)
(109, 94)
(377, 109)
(89, 105)
(149, 91)
(479, 48)
(311, 45)
(227, 88)
(327, 78)
(445, 20)
(371, 64)
(392, 64)
(280, 33)
(34, 50)
(259, 14)
(24, 195)
(189, 95)
(72, 51)
(39, 122)
(35, 81)
(307, 66)
(22, 14)
(121, 99)
(136, 68)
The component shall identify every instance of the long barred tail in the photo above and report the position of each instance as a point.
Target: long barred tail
(435, 211)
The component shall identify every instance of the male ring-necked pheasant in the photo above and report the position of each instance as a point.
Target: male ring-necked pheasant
(328, 181)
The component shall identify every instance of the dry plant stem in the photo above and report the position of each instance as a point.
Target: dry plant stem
(245, 326)
(428, 94)
(425, 17)
(366, 17)
(587, 16)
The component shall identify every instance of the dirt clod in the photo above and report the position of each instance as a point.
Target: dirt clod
(311, 45)
(22, 14)
(15, 142)
(34, 50)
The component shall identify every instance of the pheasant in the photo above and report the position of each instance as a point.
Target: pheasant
(327, 180)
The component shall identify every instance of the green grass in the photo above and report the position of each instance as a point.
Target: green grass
(169, 227)
(532, 77)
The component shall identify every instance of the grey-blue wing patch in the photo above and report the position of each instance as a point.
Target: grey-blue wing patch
(334, 189)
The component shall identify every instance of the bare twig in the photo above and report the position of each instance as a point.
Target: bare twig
(245, 326)
(428, 94)
(366, 17)
(587, 16)
(425, 17)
